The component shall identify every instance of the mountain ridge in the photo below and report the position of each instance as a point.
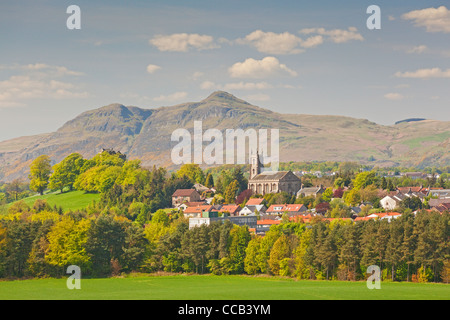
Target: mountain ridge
(145, 134)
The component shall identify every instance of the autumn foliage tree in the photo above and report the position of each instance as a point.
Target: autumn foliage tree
(40, 171)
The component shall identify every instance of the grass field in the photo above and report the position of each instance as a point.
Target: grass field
(208, 287)
(68, 200)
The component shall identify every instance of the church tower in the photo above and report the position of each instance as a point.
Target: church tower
(255, 165)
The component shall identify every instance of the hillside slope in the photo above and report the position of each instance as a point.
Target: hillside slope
(146, 134)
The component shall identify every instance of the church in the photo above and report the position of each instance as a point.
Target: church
(262, 182)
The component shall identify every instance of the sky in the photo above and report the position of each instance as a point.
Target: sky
(302, 57)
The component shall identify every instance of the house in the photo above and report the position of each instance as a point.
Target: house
(310, 191)
(383, 216)
(256, 201)
(264, 225)
(253, 210)
(262, 182)
(392, 200)
(291, 209)
(410, 190)
(440, 194)
(185, 195)
(388, 215)
(443, 207)
(251, 221)
(437, 202)
(231, 209)
(414, 175)
(185, 205)
(201, 188)
(197, 211)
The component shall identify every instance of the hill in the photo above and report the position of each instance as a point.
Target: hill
(146, 134)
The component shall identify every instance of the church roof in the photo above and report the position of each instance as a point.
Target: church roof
(271, 175)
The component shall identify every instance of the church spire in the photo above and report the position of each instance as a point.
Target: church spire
(255, 165)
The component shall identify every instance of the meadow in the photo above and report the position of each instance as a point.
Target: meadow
(209, 287)
(73, 200)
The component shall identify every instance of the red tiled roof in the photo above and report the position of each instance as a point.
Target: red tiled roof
(229, 207)
(195, 203)
(254, 201)
(184, 192)
(268, 221)
(198, 209)
(285, 207)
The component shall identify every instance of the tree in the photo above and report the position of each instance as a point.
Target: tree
(231, 191)
(67, 243)
(15, 188)
(106, 242)
(338, 193)
(192, 171)
(412, 203)
(209, 182)
(66, 172)
(244, 196)
(280, 251)
(251, 254)
(327, 195)
(40, 171)
(363, 179)
(239, 239)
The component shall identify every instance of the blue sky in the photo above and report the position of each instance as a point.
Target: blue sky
(305, 57)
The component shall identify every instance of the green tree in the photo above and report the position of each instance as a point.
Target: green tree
(192, 171)
(239, 239)
(231, 192)
(209, 182)
(67, 243)
(363, 179)
(66, 172)
(40, 171)
(251, 254)
(280, 251)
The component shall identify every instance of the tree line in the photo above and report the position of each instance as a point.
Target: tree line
(41, 242)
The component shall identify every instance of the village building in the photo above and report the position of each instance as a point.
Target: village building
(230, 209)
(248, 210)
(310, 191)
(207, 219)
(197, 211)
(185, 195)
(290, 209)
(262, 182)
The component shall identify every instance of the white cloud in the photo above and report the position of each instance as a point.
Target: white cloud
(208, 85)
(152, 68)
(433, 19)
(394, 96)
(273, 43)
(335, 35)
(196, 75)
(279, 43)
(259, 69)
(424, 74)
(418, 49)
(312, 42)
(258, 97)
(182, 42)
(174, 97)
(38, 81)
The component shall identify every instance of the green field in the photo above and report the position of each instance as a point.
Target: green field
(73, 200)
(208, 287)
